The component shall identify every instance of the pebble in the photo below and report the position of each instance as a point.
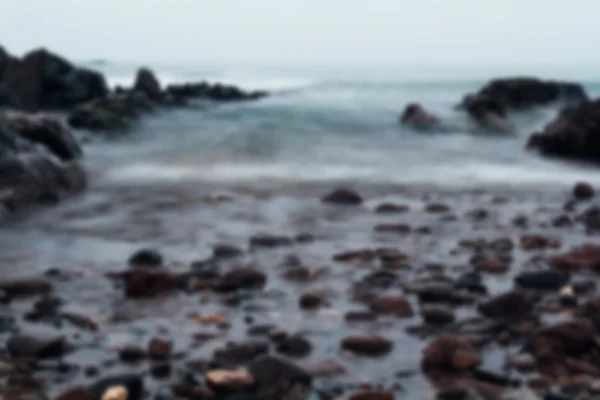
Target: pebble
(367, 345)
(146, 258)
(343, 196)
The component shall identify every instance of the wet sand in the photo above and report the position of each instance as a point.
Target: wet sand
(431, 236)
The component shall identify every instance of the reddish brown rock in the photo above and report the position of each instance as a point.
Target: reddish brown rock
(360, 316)
(371, 394)
(312, 300)
(159, 349)
(367, 345)
(492, 266)
(356, 256)
(326, 368)
(582, 257)
(343, 197)
(513, 305)
(391, 208)
(564, 345)
(534, 241)
(140, 282)
(393, 228)
(391, 304)
(450, 353)
(437, 208)
(583, 191)
(76, 394)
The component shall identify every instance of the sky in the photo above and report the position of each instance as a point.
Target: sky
(312, 32)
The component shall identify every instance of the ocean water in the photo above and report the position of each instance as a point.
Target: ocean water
(331, 124)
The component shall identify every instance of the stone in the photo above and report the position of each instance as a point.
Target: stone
(391, 208)
(42, 80)
(267, 369)
(140, 282)
(223, 251)
(222, 380)
(450, 353)
(78, 393)
(372, 394)
(367, 345)
(510, 305)
(391, 304)
(312, 300)
(269, 241)
(543, 280)
(116, 393)
(147, 83)
(159, 349)
(133, 383)
(46, 131)
(37, 346)
(583, 191)
(294, 346)
(436, 314)
(241, 278)
(150, 258)
(343, 197)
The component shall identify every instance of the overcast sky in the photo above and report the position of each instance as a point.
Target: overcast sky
(464, 32)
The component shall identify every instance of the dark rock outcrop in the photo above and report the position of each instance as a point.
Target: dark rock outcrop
(416, 117)
(520, 93)
(574, 134)
(42, 80)
(147, 83)
(37, 161)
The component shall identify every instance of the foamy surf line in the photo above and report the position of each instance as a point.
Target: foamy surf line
(447, 176)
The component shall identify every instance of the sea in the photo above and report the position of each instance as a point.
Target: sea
(331, 124)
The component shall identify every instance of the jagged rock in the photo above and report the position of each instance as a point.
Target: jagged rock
(147, 83)
(42, 80)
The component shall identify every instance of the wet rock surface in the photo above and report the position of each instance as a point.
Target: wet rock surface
(137, 308)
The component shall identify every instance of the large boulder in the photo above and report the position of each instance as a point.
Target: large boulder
(490, 105)
(42, 80)
(46, 131)
(110, 114)
(147, 83)
(521, 93)
(32, 174)
(573, 134)
(215, 92)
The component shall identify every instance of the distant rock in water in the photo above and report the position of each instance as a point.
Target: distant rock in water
(42, 80)
(574, 134)
(116, 113)
(416, 117)
(489, 107)
(521, 93)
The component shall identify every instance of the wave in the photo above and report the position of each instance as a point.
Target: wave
(323, 126)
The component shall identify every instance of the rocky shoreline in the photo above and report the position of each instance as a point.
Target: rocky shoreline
(39, 153)
(377, 294)
(361, 293)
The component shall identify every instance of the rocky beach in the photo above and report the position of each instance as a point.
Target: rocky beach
(138, 263)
